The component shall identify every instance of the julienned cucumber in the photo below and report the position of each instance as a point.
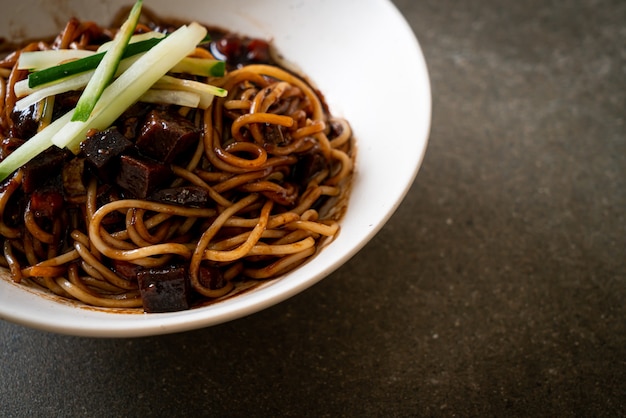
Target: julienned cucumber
(134, 82)
(33, 147)
(28, 96)
(81, 65)
(40, 60)
(200, 66)
(105, 71)
(129, 87)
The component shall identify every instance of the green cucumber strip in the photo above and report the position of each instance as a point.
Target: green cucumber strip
(84, 64)
(133, 39)
(76, 82)
(190, 85)
(33, 147)
(133, 82)
(206, 91)
(70, 84)
(188, 65)
(39, 60)
(200, 66)
(30, 96)
(108, 66)
(173, 97)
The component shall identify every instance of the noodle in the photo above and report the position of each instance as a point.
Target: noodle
(268, 170)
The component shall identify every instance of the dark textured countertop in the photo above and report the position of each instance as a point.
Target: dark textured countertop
(498, 288)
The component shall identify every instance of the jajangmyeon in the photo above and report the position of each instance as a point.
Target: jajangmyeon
(226, 170)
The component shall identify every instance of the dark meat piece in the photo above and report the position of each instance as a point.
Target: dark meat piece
(64, 102)
(308, 165)
(274, 134)
(130, 121)
(108, 193)
(211, 277)
(72, 176)
(25, 122)
(141, 177)
(13, 213)
(257, 51)
(46, 203)
(43, 168)
(164, 289)
(126, 270)
(238, 51)
(228, 48)
(190, 196)
(165, 135)
(102, 150)
(9, 145)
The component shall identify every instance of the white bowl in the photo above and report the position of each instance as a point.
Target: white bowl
(364, 58)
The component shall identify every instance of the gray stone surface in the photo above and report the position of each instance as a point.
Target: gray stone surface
(497, 289)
